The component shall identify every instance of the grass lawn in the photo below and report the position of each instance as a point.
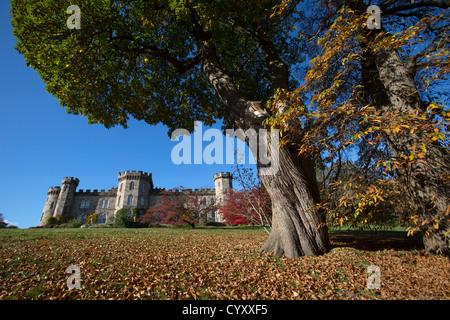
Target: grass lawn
(212, 263)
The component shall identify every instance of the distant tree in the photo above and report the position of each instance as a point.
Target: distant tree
(3, 224)
(251, 205)
(248, 207)
(178, 206)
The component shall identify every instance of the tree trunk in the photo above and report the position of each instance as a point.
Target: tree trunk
(298, 227)
(391, 85)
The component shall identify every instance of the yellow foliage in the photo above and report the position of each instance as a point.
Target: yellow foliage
(92, 218)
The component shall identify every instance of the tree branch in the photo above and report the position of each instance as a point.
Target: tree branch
(423, 4)
(437, 45)
(242, 112)
(182, 66)
(279, 71)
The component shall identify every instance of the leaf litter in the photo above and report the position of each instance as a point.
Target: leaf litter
(159, 263)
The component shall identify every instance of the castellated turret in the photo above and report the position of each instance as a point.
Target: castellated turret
(50, 204)
(223, 184)
(66, 195)
(134, 189)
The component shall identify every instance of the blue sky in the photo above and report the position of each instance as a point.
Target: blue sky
(40, 144)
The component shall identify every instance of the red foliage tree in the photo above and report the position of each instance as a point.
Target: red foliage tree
(178, 206)
(248, 207)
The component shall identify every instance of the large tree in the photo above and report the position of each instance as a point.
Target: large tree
(383, 89)
(174, 62)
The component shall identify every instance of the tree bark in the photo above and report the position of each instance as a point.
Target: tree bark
(391, 85)
(298, 227)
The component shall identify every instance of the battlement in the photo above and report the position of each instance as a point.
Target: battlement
(54, 190)
(222, 175)
(111, 192)
(134, 175)
(201, 191)
(70, 180)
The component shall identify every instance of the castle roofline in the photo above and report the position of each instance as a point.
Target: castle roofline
(54, 190)
(202, 191)
(137, 174)
(134, 172)
(222, 175)
(95, 192)
(71, 180)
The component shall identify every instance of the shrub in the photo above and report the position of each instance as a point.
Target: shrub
(92, 218)
(74, 223)
(123, 220)
(51, 221)
(155, 225)
(215, 224)
(61, 220)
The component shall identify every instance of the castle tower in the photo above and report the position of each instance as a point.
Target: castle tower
(223, 184)
(66, 196)
(134, 190)
(50, 204)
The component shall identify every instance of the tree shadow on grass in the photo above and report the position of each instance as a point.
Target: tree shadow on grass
(376, 240)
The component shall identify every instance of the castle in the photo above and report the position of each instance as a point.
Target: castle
(135, 190)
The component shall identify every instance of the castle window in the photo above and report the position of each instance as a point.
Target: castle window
(51, 205)
(212, 200)
(143, 187)
(131, 185)
(101, 218)
(85, 203)
(121, 185)
(104, 203)
(118, 201)
(142, 201)
(130, 199)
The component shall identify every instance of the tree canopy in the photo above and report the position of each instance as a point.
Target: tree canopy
(143, 59)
